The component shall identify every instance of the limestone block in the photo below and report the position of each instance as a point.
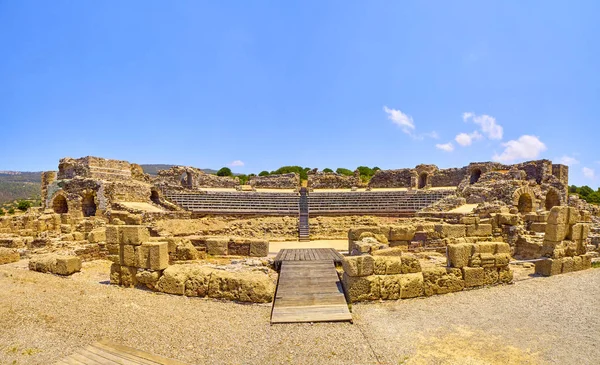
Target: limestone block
(459, 254)
(197, 281)
(8, 255)
(402, 233)
(223, 285)
(484, 247)
(115, 274)
(442, 280)
(574, 215)
(393, 251)
(531, 217)
(410, 264)
(43, 263)
(411, 285)
(128, 276)
(133, 235)
(173, 279)
(586, 261)
(577, 263)
(579, 231)
(508, 219)
(389, 287)
(558, 215)
(112, 235)
(501, 259)
(505, 275)
(128, 255)
(556, 232)
(65, 228)
(217, 246)
(479, 230)
(67, 265)
(172, 242)
(469, 220)
(538, 227)
(185, 251)
(502, 247)
(255, 287)
(451, 230)
(567, 265)
(358, 265)
(259, 248)
(113, 249)
(97, 235)
(148, 278)
(473, 276)
(490, 276)
(238, 247)
(12, 242)
(548, 267)
(487, 260)
(585, 216)
(153, 255)
(114, 259)
(354, 233)
(360, 288)
(387, 265)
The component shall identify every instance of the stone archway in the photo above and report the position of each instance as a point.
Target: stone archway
(154, 197)
(552, 199)
(88, 204)
(423, 180)
(475, 175)
(59, 204)
(524, 199)
(186, 180)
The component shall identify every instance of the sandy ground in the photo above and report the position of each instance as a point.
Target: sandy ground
(340, 245)
(542, 320)
(465, 208)
(146, 207)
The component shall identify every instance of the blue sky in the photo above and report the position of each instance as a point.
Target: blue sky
(261, 84)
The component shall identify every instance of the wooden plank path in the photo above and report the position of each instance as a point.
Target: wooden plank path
(309, 289)
(106, 352)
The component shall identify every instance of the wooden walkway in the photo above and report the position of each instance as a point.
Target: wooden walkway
(107, 352)
(309, 289)
(308, 254)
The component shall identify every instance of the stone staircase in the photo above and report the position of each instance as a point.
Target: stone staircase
(303, 225)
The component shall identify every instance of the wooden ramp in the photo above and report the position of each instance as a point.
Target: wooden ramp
(309, 291)
(107, 352)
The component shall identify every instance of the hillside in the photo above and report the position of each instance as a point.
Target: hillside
(16, 185)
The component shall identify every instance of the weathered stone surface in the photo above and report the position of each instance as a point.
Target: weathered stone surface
(387, 265)
(586, 261)
(459, 254)
(411, 285)
(246, 287)
(56, 264)
(355, 232)
(451, 230)
(67, 265)
(12, 242)
(358, 265)
(508, 219)
(173, 279)
(133, 235)
(548, 267)
(490, 276)
(473, 276)
(410, 264)
(238, 247)
(259, 248)
(556, 232)
(153, 255)
(393, 251)
(469, 220)
(479, 230)
(359, 288)
(579, 231)
(217, 246)
(505, 275)
(577, 263)
(538, 227)
(115, 274)
(441, 280)
(501, 259)
(128, 276)
(148, 277)
(128, 256)
(198, 279)
(8, 255)
(389, 287)
(559, 215)
(402, 233)
(185, 251)
(567, 265)
(97, 235)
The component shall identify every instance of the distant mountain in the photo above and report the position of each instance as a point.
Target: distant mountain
(15, 185)
(152, 169)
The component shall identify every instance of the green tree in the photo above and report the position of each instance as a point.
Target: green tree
(327, 169)
(2, 212)
(343, 171)
(224, 171)
(11, 210)
(23, 205)
(289, 169)
(263, 173)
(243, 179)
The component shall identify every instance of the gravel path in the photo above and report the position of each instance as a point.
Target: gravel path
(542, 320)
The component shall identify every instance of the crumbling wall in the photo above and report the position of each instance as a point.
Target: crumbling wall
(392, 179)
(94, 168)
(332, 180)
(47, 178)
(179, 178)
(281, 181)
(448, 177)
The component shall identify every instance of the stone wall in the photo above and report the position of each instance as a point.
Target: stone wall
(47, 178)
(332, 180)
(392, 179)
(448, 177)
(179, 178)
(94, 168)
(281, 181)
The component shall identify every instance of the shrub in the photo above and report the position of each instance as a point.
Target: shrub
(23, 205)
(289, 169)
(11, 210)
(243, 179)
(327, 169)
(225, 171)
(263, 173)
(343, 171)
(2, 212)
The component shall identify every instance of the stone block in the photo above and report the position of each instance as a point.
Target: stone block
(259, 248)
(113, 249)
(354, 233)
(508, 219)
(577, 263)
(114, 259)
(67, 265)
(128, 255)
(43, 263)
(559, 215)
(538, 227)
(359, 288)
(198, 280)
(133, 235)
(487, 260)
(148, 278)
(411, 285)
(502, 247)
(585, 216)
(238, 247)
(128, 276)
(442, 280)
(97, 235)
(402, 233)
(505, 275)
(459, 254)
(8, 255)
(501, 259)
(484, 247)
(185, 251)
(153, 255)
(469, 220)
(479, 230)
(387, 265)
(112, 235)
(579, 231)
(390, 288)
(410, 264)
(451, 230)
(217, 246)
(556, 232)
(358, 265)
(490, 276)
(586, 261)
(393, 251)
(548, 267)
(173, 279)
(473, 276)
(567, 265)
(115, 274)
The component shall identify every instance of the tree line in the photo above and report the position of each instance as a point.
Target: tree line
(586, 193)
(365, 173)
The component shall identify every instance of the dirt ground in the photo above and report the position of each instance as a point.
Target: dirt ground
(552, 320)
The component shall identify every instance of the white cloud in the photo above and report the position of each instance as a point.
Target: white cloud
(526, 147)
(402, 120)
(487, 124)
(236, 163)
(448, 147)
(589, 173)
(432, 134)
(465, 139)
(568, 160)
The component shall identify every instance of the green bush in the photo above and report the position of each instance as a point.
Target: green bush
(225, 171)
(243, 179)
(327, 169)
(23, 205)
(586, 193)
(263, 173)
(2, 212)
(11, 210)
(302, 171)
(343, 171)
